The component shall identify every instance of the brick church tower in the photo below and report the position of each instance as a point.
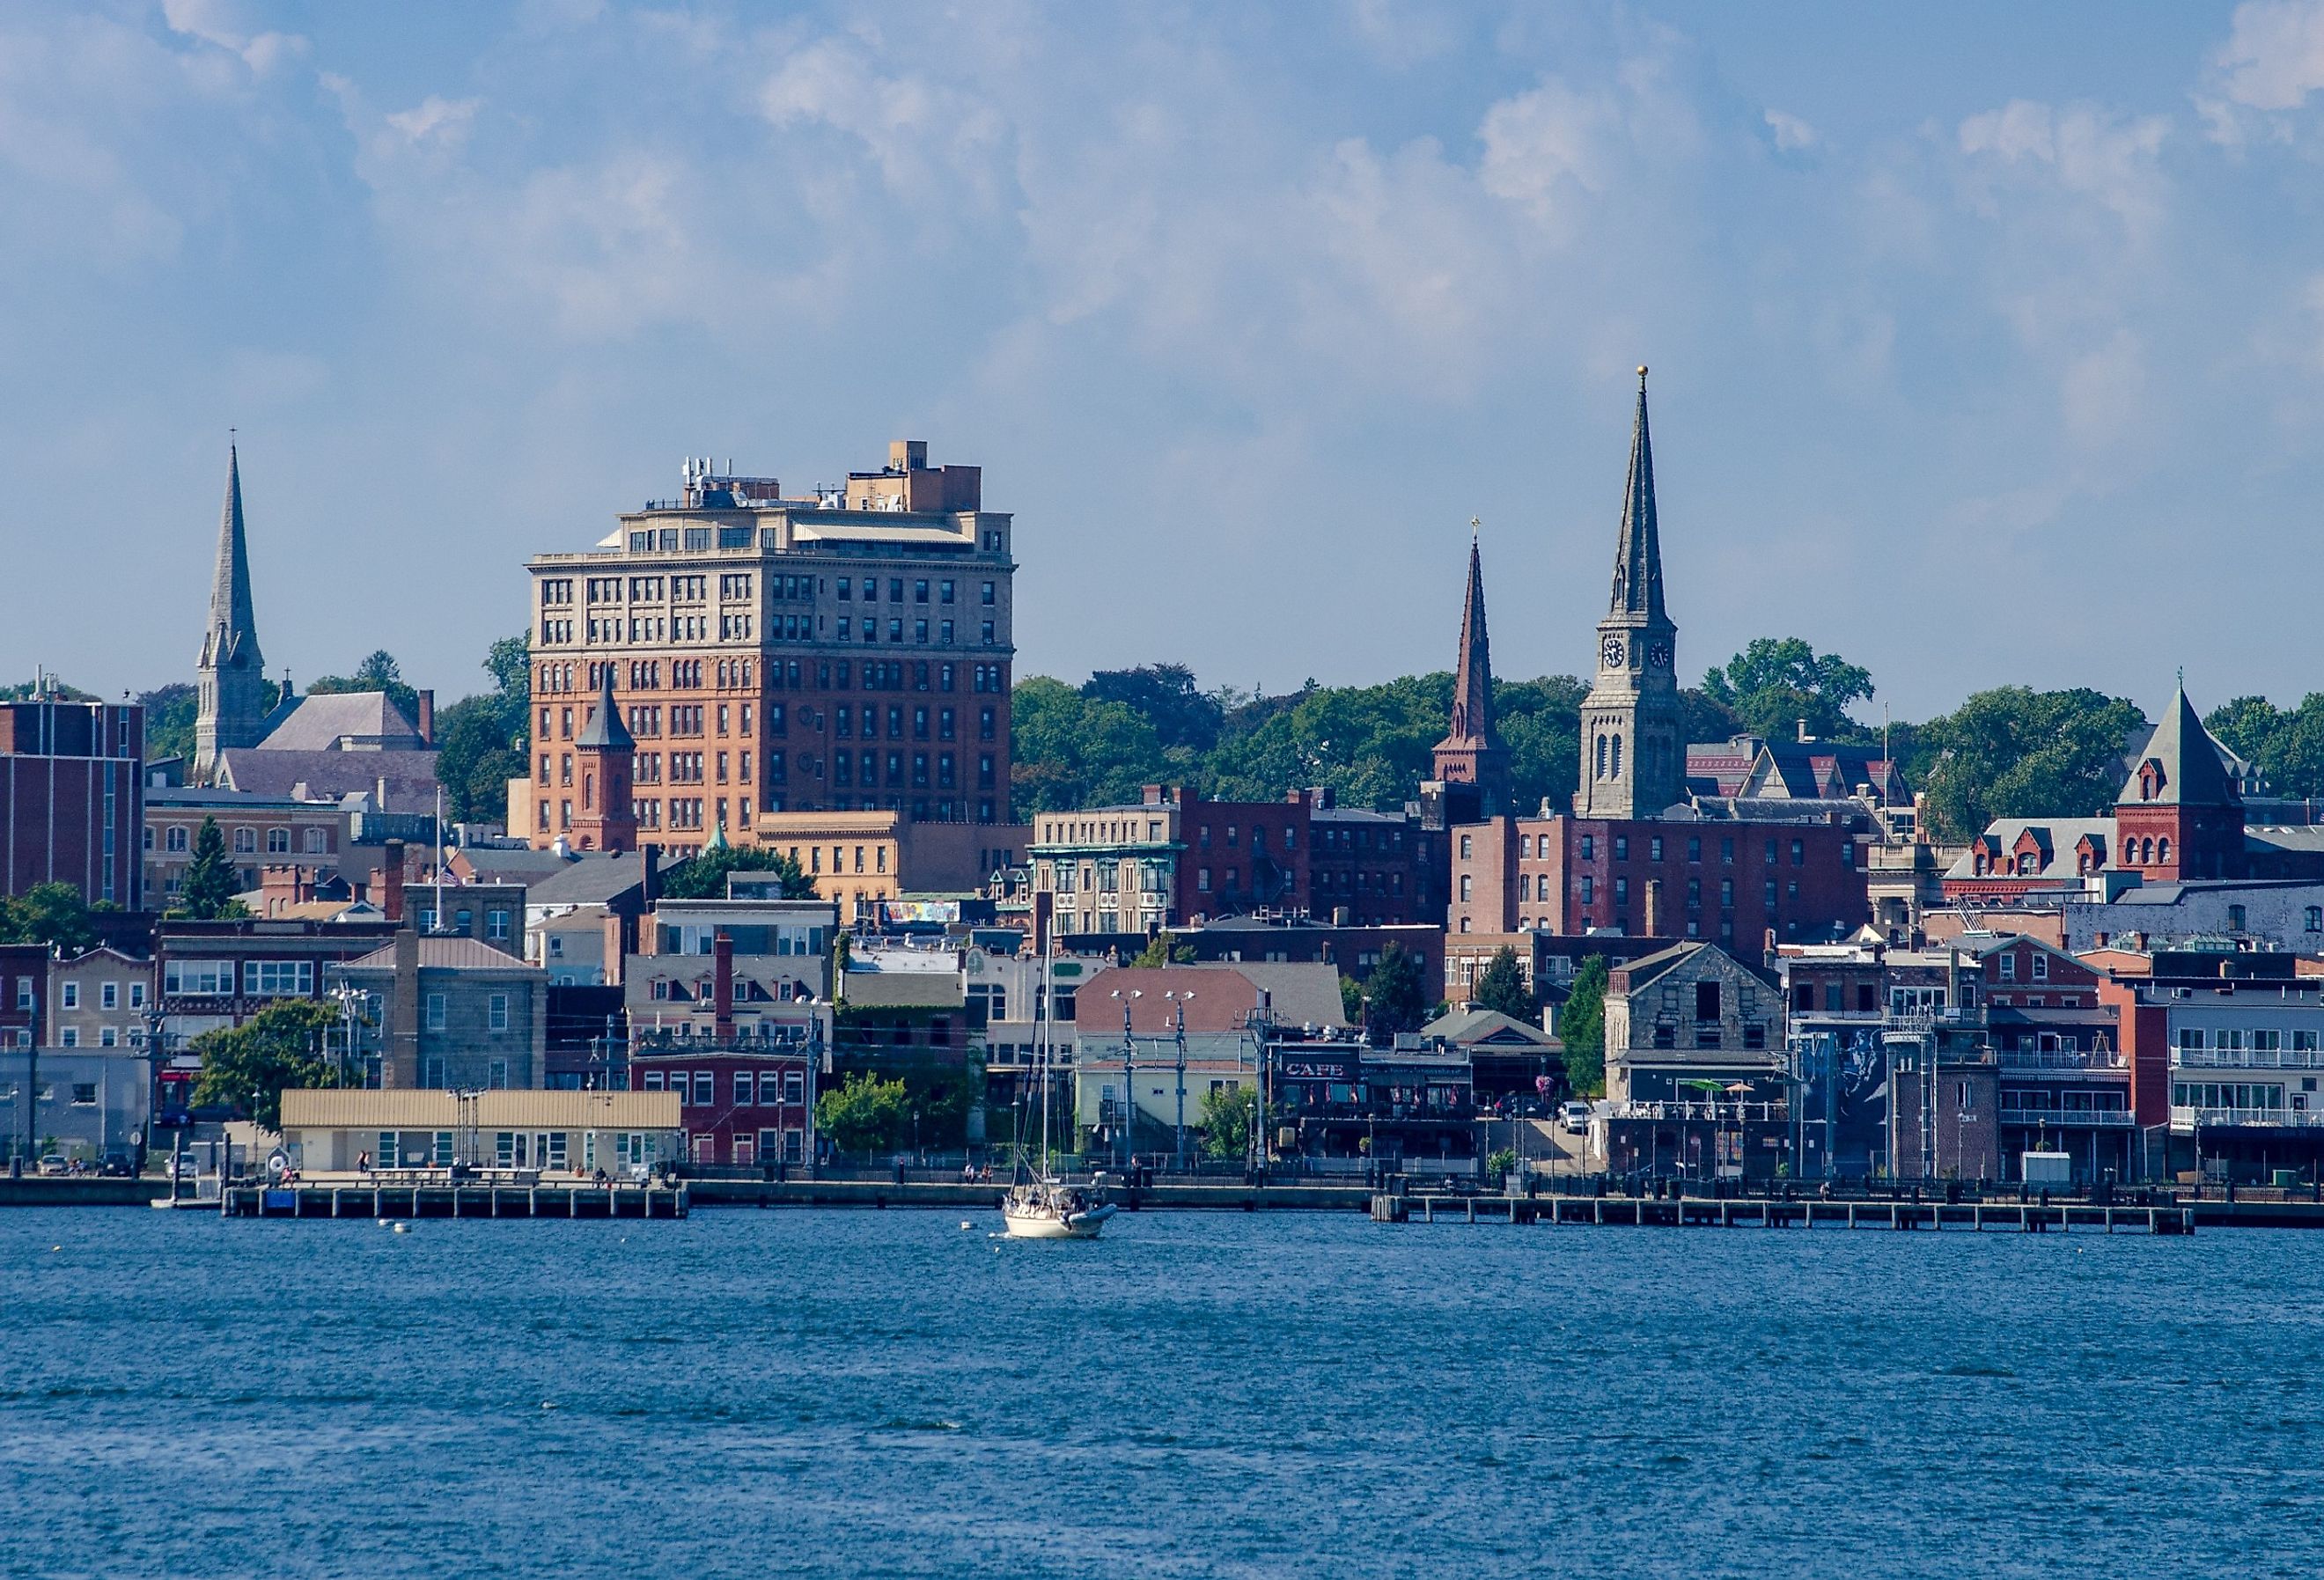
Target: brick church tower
(2180, 815)
(1470, 763)
(603, 754)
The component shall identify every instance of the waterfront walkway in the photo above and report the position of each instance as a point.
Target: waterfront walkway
(1702, 1211)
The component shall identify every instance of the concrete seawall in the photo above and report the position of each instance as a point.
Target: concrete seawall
(33, 1191)
(875, 1193)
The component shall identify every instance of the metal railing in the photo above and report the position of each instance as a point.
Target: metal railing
(2272, 1118)
(1705, 1112)
(2059, 1058)
(2247, 1058)
(2084, 1118)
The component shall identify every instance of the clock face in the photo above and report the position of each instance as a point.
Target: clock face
(1614, 652)
(1658, 655)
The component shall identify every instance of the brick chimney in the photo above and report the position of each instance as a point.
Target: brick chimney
(1654, 908)
(390, 880)
(721, 985)
(400, 1069)
(426, 723)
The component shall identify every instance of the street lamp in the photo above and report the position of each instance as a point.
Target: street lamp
(1128, 1076)
(1182, 996)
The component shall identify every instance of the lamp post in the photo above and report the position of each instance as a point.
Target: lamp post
(1128, 1076)
(1180, 998)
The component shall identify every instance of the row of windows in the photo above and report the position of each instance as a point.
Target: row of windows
(759, 1089)
(846, 630)
(177, 839)
(108, 995)
(1528, 848)
(215, 978)
(2246, 1040)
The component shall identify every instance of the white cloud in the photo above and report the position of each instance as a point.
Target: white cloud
(2081, 151)
(2104, 390)
(1543, 146)
(2274, 58)
(435, 120)
(1791, 134)
(220, 22)
(925, 136)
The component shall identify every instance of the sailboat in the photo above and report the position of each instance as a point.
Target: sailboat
(1039, 1206)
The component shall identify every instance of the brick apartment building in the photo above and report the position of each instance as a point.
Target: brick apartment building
(72, 798)
(847, 650)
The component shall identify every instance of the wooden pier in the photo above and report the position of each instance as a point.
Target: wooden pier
(451, 1201)
(1708, 1212)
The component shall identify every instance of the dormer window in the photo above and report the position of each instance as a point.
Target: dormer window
(2151, 778)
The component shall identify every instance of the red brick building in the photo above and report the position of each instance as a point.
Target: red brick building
(72, 798)
(743, 1103)
(1732, 884)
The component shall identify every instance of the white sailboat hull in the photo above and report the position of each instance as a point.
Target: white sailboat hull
(1034, 1222)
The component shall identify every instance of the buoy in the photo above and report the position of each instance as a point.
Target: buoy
(382, 1223)
(966, 1224)
(56, 1248)
(401, 1229)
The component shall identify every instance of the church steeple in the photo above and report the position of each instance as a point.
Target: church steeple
(1633, 761)
(1639, 552)
(232, 672)
(1471, 761)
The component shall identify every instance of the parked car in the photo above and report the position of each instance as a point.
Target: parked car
(183, 1164)
(1574, 1118)
(52, 1163)
(117, 1166)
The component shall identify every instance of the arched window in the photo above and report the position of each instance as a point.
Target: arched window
(2162, 853)
(1602, 758)
(2146, 852)
(2129, 853)
(1617, 757)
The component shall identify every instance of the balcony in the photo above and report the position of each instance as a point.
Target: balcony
(2246, 1058)
(2187, 1119)
(2057, 1058)
(2067, 1118)
(1703, 1112)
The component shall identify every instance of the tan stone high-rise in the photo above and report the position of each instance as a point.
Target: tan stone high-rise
(848, 651)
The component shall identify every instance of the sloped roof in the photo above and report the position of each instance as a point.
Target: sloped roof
(328, 776)
(2057, 837)
(446, 954)
(2194, 772)
(318, 722)
(592, 880)
(1466, 1028)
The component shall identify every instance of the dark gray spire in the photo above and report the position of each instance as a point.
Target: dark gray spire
(233, 626)
(1639, 556)
(606, 731)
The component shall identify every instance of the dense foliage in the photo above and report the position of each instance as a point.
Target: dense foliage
(1501, 987)
(379, 671)
(704, 876)
(2016, 753)
(863, 1114)
(1396, 996)
(1774, 686)
(2286, 745)
(1582, 1028)
(482, 741)
(250, 1065)
(53, 914)
(207, 892)
(1225, 1123)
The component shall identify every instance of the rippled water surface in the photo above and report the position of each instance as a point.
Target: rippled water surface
(885, 1393)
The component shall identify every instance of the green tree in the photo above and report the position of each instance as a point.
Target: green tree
(252, 1065)
(1541, 725)
(1395, 1000)
(2285, 744)
(1225, 1121)
(482, 741)
(1075, 751)
(1501, 986)
(1351, 1000)
(1166, 695)
(704, 876)
(2017, 753)
(1582, 1028)
(207, 892)
(864, 1114)
(379, 671)
(169, 713)
(1774, 683)
(54, 914)
(1163, 949)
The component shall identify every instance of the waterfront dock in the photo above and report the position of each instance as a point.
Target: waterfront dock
(1766, 1213)
(1217, 1195)
(632, 1202)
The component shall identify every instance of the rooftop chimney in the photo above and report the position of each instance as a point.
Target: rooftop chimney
(390, 880)
(1654, 908)
(427, 720)
(721, 985)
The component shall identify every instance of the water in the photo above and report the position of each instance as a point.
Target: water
(1197, 1394)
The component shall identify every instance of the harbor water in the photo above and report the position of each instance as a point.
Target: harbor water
(888, 1393)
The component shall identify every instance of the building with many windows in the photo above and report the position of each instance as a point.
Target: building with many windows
(449, 1012)
(847, 650)
(72, 798)
(260, 832)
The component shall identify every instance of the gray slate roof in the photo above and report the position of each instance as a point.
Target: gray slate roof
(329, 775)
(317, 723)
(590, 880)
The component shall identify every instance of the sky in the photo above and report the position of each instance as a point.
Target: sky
(1987, 340)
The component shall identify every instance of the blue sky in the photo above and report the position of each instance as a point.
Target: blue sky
(1989, 340)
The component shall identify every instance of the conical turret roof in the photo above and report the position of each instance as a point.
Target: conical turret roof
(606, 731)
(1638, 555)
